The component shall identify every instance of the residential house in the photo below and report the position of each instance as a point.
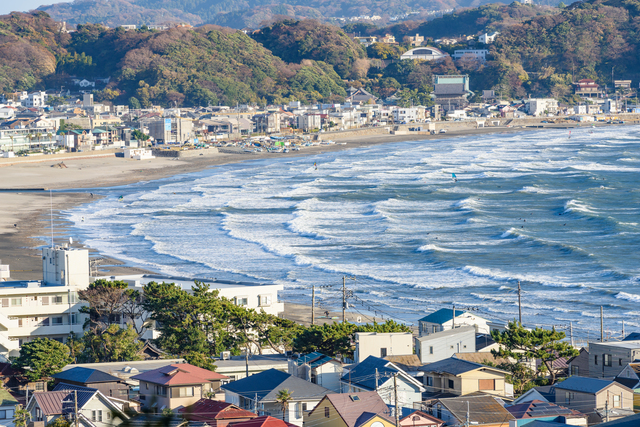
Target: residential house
(360, 96)
(309, 122)
(525, 413)
(382, 344)
(459, 377)
(258, 393)
(535, 394)
(484, 411)
(444, 319)
(267, 123)
(7, 408)
(409, 115)
(350, 410)
(594, 396)
(376, 374)
(94, 408)
(107, 384)
(488, 38)
(629, 421)
(263, 421)
(367, 40)
(607, 359)
(416, 41)
(630, 377)
(420, 419)
(587, 88)
(176, 385)
(388, 39)
(441, 345)
(409, 363)
(427, 53)
(215, 413)
(319, 369)
(170, 130)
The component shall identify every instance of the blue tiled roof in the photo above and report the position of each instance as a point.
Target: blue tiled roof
(84, 393)
(583, 384)
(266, 385)
(452, 365)
(630, 421)
(363, 375)
(85, 375)
(314, 359)
(442, 316)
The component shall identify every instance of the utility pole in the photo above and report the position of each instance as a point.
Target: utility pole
(466, 423)
(75, 403)
(601, 325)
(606, 408)
(395, 392)
(246, 361)
(623, 329)
(519, 303)
(571, 332)
(453, 324)
(377, 377)
(344, 299)
(313, 305)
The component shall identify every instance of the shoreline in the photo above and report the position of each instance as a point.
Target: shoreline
(25, 215)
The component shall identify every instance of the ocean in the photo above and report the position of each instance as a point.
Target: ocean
(557, 211)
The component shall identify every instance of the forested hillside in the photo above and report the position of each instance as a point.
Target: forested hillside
(246, 13)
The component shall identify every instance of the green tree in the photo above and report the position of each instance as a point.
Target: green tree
(42, 357)
(21, 416)
(139, 135)
(111, 345)
(59, 422)
(200, 360)
(283, 398)
(545, 345)
(134, 103)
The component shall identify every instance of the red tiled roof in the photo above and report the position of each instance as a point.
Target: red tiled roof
(206, 409)
(263, 421)
(50, 403)
(179, 373)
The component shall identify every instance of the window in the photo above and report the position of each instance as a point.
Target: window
(6, 414)
(383, 352)
(575, 370)
(45, 300)
(595, 359)
(5, 302)
(181, 392)
(486, 384)
(20, 323)
(434, 329)
(38, 414)
(108, 416)
(96, 415)
(56, 320)
(568, 397)
(450, 383)
(73, 319)
(73, 297)
(616, 401)
(242, 301)
(57, 299)
(430, 349)
(606, 359)
(619, 362)
(327, 412)
(16, 302)
(265, 300)
(161, 391)
(430, 381)
(45, 322)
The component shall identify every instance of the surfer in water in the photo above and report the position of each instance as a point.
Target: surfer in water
(315, 165)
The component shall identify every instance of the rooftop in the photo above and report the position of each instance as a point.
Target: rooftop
(630, 344)
(85, 376)
(6, 399)
(351, 406)
(266, 384)
(207, 409)
(187, 282)
(540, 409)
(441, 316)
(446, 333)
(481, 409)
(314, 359)
(455, 366)
(583, 384)
(179, 373)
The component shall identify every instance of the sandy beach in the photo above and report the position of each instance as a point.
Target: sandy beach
(25, 216)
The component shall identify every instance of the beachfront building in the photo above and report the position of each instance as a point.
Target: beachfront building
(541, 106)
(608, 359)
(382, 344)
(441, 345)
(49, 308)
(451, 91)
(170, 130)
(444, 319)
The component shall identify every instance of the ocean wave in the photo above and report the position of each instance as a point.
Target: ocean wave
(434, 248)
(628, 297)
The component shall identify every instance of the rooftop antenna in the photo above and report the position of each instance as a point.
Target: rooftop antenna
(51, 214)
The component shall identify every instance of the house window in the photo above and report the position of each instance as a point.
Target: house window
(568, 397)
(96, 416)
(45, 300)
(450, 383)
(73, 297)
(434, 329)
(486, 384)
(38, 414)
(606, 359)
(57, 299)
(595, 359)
(265, 300)
(161, 391)
(383, 352)
(56, 320)
(327, 412)
(430, 349)
(430, 381)
(619, 362)
(242, 301)
(16, 302)
(182, 392)
(616, 401)
(6, 414)
(575, 370)
(73, 319)
(5, 302)
(20, 323)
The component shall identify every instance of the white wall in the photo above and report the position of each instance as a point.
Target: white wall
(372, 343)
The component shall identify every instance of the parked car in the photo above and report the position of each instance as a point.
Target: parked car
(443, 131)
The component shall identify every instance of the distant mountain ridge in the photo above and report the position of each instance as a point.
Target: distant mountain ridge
(245, 13)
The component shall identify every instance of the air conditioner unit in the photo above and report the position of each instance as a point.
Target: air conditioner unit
(225, 355)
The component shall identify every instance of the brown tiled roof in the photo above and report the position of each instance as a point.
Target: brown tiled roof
(410, 362)
(351, 406)
(206, 410)
(50, 402)
(481, 358)
(482, 409)
(179, 373)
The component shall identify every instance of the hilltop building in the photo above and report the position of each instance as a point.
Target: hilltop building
(426, 53)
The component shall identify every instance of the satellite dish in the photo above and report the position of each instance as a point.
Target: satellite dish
(359, 319)
(71, 240)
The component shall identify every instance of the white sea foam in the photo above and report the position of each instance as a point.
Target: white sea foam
(628, 297)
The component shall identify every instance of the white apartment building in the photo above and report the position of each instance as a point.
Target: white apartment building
(408, 115)
(475, 54)
(541, 106)
(35, 99)
(47, 308)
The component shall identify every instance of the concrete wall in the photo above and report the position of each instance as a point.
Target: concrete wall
(372, 343)
(441, 345)
(620, 355)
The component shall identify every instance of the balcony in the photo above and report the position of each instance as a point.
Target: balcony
(43, 330)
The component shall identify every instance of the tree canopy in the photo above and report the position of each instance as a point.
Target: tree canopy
(42, 357)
